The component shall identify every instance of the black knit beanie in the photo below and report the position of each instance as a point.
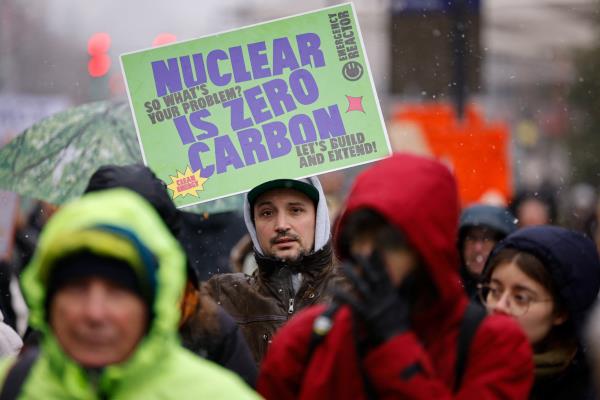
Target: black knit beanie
(86, 264)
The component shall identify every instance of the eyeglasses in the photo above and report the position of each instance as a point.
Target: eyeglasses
(518, 301)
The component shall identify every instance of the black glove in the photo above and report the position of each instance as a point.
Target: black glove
(379, 305)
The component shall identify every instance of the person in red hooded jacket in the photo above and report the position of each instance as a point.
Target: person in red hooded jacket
(397, 334)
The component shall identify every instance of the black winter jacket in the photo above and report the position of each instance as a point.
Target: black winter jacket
(228, 348)
(572, 383)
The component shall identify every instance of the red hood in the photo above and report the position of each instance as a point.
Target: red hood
(419, 196)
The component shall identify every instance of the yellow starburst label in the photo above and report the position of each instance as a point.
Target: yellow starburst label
(187, 183)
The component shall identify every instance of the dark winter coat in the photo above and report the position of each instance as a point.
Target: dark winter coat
(263, 302)
(211, 333)
(572, 383)
(572, 260)
(419, 197)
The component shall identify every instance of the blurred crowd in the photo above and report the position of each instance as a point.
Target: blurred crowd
(384, 286)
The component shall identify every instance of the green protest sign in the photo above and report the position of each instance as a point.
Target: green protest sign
(288, 98)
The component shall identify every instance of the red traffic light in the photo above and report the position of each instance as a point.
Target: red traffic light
(98, 46)
(99, 43)
(98, 65)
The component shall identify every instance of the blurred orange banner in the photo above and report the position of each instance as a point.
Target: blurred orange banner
(477, 151)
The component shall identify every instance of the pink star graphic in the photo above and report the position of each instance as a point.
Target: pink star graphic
(355, 104)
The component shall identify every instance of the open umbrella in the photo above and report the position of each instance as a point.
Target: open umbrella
(54, 159)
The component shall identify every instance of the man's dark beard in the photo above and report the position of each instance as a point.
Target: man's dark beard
(318, 260)
(301, 253)
(296, 261)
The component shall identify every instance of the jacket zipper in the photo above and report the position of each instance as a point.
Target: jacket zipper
(291, 300)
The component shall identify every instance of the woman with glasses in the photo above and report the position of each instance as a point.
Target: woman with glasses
(547, 278)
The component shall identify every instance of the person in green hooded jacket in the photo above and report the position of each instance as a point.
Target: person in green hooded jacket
(103, 287)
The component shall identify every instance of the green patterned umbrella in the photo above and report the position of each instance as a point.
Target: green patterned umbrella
(54, 159)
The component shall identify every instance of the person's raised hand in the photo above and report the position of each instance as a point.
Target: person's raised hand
(378, 304)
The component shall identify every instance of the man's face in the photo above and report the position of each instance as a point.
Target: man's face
(97, 322)
(285, 223)
(479, 242)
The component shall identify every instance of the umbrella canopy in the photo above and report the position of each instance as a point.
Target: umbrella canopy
(54, 159)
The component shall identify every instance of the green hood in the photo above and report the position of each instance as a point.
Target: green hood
(73, 228)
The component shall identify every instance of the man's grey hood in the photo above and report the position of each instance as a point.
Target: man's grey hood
(322, 225)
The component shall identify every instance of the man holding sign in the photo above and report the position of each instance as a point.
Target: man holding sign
(288, 222)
